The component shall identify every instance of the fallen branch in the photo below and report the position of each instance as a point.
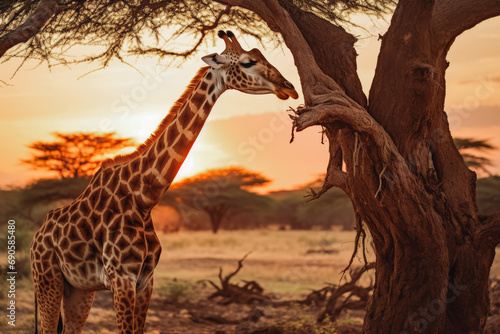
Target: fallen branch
(254, 316)
(337, 297)
(317, 297)
(349, 296)
(249, 293)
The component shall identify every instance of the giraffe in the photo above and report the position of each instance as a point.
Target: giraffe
(105, 238)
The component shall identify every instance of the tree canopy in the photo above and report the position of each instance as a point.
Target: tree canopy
(221, 193)
(474, 161)
(75, 154)
(118, 29)
(333, 208)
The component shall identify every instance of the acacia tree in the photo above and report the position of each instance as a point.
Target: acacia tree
(74, 155)
(334, 208)
(221, 193)
(391, 153)
(474, 161)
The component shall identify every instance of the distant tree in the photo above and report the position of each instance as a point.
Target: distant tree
(465, 145)
(31, 203)
(285, 211)
(75, 154)
(333, 208)
(47, 191)
(221, 193)
(488, 194)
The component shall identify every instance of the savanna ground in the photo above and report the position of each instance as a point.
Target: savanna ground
(280, 261)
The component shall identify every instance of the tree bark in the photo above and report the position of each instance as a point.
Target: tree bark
(407, 99)
(216, 214)
(396, 160)
(44, 11)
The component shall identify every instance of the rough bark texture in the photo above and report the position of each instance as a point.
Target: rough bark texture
(44, 11)
(407, 181)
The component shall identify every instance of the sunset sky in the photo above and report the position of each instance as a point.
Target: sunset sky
(245, 130)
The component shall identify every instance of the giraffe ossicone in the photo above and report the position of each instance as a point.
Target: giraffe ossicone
(105, 238)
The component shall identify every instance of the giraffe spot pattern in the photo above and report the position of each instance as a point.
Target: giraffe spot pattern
(135, 180)
(206, 109)
(172, 134)
(211, 89)
(135, 164)
(197, 99)
(162, 160)
(124, 173)
(203, 85)
(181, 145)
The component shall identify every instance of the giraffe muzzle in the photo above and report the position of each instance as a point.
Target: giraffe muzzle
(286, 90)
(289, 85)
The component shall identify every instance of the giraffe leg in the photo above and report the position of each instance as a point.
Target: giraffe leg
(141, 306)
(49, 288)
(124, 300)
(49, 297)
(76, 308)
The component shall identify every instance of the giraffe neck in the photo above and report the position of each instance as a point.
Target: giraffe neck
(159, 164)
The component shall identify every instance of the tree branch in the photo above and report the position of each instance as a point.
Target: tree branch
(346, 111)
(240, 265)
(450, 18)
(43, 12)
(159, 52)
(333, 49)
(335, 177)
(489, 234)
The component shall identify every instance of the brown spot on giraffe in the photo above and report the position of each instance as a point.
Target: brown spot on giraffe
(105, 238)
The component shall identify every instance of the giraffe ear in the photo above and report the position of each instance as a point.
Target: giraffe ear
(215, 60)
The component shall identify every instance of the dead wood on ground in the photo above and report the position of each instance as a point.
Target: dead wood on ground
(250, 292)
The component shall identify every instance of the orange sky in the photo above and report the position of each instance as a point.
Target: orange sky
(252, 131)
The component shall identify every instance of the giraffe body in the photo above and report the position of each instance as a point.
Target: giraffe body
(105, 239)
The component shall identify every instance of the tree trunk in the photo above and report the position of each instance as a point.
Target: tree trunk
(216, 214)
(396, 159)
(407, 99)
(215, 221)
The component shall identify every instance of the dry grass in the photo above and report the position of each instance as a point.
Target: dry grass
(279, 262)
(279, 259)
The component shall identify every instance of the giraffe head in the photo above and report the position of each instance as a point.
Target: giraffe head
(248, 71)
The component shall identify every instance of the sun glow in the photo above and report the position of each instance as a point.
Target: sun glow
(188, 168)
(205, 154)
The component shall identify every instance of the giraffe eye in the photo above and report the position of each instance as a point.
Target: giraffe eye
(248, 64)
